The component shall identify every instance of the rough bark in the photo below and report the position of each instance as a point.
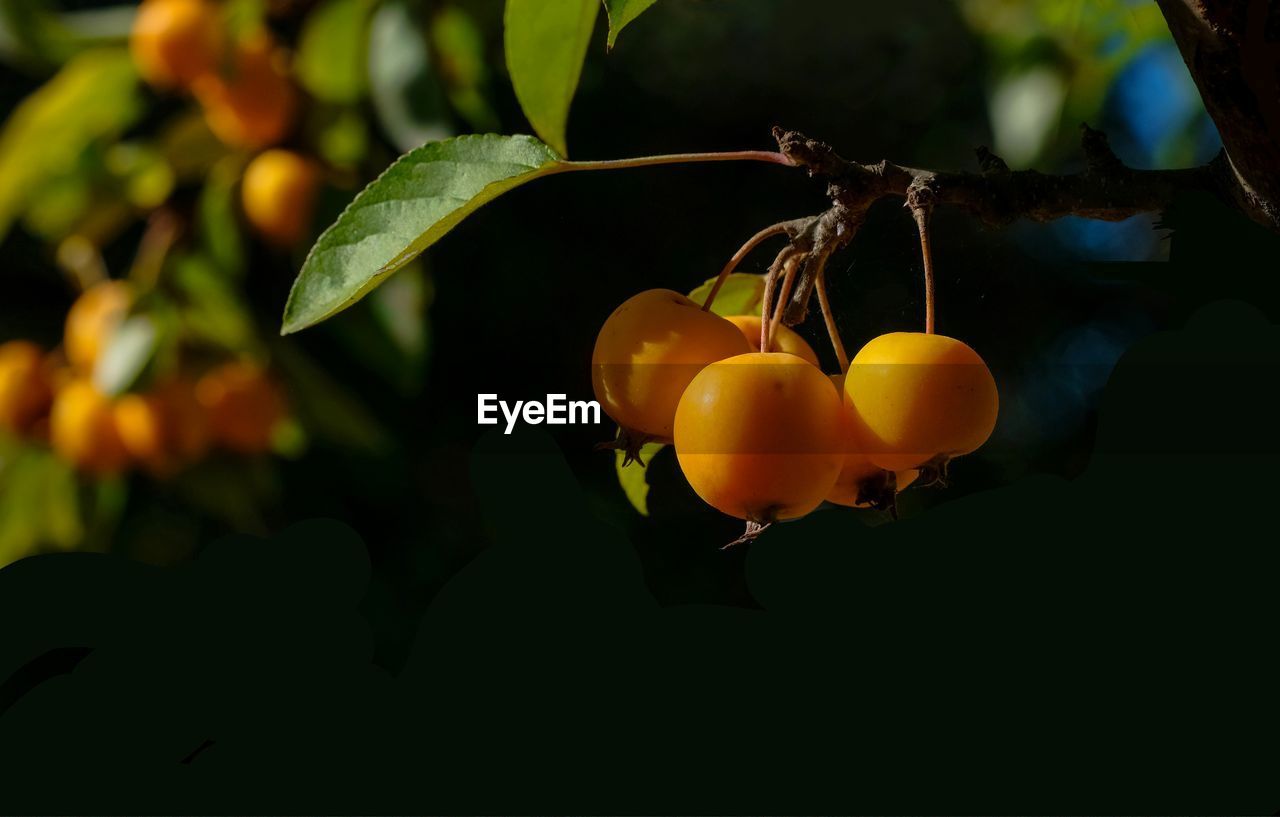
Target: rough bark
(1232, 49)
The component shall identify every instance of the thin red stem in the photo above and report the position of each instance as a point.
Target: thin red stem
(746, 248)
(788, 281)
(769, 156)
(828, 317)
(922, 224)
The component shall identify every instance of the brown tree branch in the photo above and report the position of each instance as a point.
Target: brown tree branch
(1232, 50)
(1106, 189)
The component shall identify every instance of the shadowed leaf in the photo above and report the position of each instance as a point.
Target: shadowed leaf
(621, 13)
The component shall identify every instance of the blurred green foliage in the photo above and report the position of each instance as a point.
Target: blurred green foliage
(1051, 64)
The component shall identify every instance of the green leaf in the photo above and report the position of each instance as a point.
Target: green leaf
(39, 502)
(546, 43)
(621, 13)
(95, 96)
(217, 218)
(417, 200)
(405, 91)
(742, 294)
(30, 32)
(325, 407)
(634, 478)
(331, 61)
(211, 310)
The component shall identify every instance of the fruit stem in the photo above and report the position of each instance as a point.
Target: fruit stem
(922, 225)
(161, 234)
(772, 157)
(81, 261)
(752, 243)
(828, 317)
(788, 281)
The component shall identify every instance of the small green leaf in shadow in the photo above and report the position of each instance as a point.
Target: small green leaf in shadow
(622, 12)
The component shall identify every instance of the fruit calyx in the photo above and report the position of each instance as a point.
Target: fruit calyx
(934, 472)
(752, 533)
(880, 492)
(629, 441)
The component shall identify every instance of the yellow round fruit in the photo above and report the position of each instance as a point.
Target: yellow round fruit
(175, 42)
(93, 319)
(278, 195)
(758, 436)
(254, 104)
(918, 398)
(856, 471)
(649, 350)
(82, 430)
(25, 390)
(243, 405)
(785, 338)
(165, 429)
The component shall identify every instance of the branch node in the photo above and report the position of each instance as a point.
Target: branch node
(1098, 155)
(989, 163)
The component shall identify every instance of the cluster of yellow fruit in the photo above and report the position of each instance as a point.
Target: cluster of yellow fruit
(249, 101)
(174, 423)
(765, 435)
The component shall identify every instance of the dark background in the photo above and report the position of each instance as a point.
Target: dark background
(1080, 622)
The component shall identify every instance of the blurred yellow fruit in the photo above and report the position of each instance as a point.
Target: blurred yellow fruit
(25, 390)
(165, 429)
(278, 194)
(254, 105)
(82, 430)
(175, 42)
(243, 405)
(92, 320)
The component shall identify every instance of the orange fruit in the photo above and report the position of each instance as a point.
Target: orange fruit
(856, 471)
(649, 350)
(165, 429)
(175, 42)
(254, 104)
(25, 390)
(93, 319)
(83, 431)
(278, 195)
(759, 436)
(785, 339)
(918, 398)
(243, 405)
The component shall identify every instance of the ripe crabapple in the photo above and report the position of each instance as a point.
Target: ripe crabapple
(759, 436)
(862, 483)
(648, 351)
(278, 195)
(919, 398)
(93, 319)
(174, 42)
(785, 339)
(164, 429)
(83, 431)
(25, 390)
(243, 404)
(254, 105)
